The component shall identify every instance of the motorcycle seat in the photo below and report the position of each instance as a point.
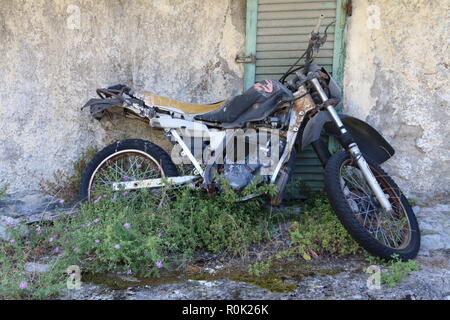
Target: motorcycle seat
(184, 107)
(255, 104)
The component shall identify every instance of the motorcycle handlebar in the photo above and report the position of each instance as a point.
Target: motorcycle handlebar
(315, 42)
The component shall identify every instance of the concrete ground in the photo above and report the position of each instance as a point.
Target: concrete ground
(432, 281)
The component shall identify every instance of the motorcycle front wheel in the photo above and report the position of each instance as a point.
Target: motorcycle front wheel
(381, 234)
(124, 161)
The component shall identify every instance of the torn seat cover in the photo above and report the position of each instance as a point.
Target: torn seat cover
(254, 104)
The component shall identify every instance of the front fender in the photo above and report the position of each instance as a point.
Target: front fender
(369, 140)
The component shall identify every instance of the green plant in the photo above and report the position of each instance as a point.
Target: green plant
(260, 268)
(15, 281)
(372, 260)
(318, 231)
(139, 232)
(292, 188)
(3, 191)
(398, 270)
(65, 185)
(412, 201)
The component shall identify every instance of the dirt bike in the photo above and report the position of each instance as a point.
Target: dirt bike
(267, 124)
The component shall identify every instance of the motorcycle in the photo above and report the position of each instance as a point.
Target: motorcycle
(265, 126)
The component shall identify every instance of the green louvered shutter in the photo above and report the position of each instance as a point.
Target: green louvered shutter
(281, 29)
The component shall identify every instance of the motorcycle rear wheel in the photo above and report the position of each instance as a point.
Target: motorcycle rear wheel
(122, 161)
(381, 234)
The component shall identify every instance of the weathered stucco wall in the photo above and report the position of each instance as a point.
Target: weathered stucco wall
(397, 78)
(49, 67)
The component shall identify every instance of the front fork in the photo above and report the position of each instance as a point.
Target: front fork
(353, 149)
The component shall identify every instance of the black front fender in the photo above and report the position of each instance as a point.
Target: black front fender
(369, 140)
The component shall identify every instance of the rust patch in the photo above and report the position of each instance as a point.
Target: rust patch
(301, 107)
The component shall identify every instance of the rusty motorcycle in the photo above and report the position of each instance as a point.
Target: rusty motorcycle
(282, 117)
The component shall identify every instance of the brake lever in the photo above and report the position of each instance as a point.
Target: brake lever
(324, 38)
(319, 41)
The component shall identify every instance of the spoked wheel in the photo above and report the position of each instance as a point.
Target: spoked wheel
(124, 161)
(381, 233)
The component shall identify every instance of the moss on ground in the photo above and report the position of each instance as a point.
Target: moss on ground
(281, 276)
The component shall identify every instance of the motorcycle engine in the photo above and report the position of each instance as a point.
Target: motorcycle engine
(240, 175)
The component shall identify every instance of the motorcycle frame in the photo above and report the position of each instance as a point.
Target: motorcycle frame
(171, 120)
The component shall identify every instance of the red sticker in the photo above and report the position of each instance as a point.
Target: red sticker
(267, 88)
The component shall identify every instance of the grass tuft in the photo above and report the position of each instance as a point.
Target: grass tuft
(65, 185)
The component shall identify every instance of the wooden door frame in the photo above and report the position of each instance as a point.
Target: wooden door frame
(250, 42)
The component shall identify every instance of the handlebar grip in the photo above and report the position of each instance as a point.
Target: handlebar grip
(317, 28)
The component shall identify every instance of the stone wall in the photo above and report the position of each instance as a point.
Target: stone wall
(52, 62)
(397, 78)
